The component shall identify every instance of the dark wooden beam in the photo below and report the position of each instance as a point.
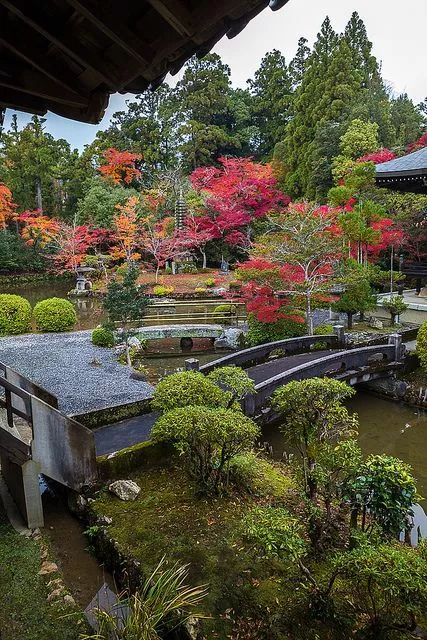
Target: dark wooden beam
(21, 102)
(111, 24)
(30, 15)
(22, 48)
(174, 12)
(36, 84)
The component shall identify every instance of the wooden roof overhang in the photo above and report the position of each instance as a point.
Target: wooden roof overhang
(408, 173)
(69, 56)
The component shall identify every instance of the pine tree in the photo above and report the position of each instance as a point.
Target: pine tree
(203, 99)
(298, 64)
(408, 121)
(271, 91)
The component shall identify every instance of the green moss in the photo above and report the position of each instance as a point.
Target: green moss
(101, 417)
(25, 613)
(169, 519)
(144, 455)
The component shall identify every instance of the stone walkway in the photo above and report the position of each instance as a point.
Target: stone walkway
(82, 376)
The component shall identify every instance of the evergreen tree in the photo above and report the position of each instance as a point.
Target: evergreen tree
(147, 127)
(203, 100)
(408, 121)
(298, 64)
(271, 91)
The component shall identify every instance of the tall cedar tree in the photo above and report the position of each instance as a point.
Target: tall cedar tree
(271, 91)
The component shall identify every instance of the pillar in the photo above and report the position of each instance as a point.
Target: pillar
(192, 364)
(339, 331)
(396, 340)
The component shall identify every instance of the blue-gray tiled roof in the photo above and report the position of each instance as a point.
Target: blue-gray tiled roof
(411, 164)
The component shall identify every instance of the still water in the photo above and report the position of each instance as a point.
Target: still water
(386, 427)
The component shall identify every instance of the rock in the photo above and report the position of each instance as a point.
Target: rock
(119, 349)
(138, 375)
(134, 343)
(192, 627)
(48, 567)
(219, 291)
(375, 323)
(69, 600)
(55, 594)
(105, 520)
(232, 338)
(125, 489)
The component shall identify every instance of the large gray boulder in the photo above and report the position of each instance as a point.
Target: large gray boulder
(232, 338)
(125, 489)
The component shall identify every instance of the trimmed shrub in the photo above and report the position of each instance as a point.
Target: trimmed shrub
(200, 290)
(103, 337)
(324, 330)
(422, 345)
(15, 314)
(161, 291)
(258, 476)
(395, 305)
(188, 388)
(209, 282)
(208, 438)
(262, 332)
(225, 310)
(187, 267)
(234, 285)
(54, 314)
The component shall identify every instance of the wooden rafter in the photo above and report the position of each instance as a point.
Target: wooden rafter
(64, 41)
(174, 12)
(21, 48)
(36, 84)
(109, 22)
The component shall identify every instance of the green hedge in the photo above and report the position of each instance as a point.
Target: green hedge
(103, 337)
(15, 314)
(54, 314)
(263, 332)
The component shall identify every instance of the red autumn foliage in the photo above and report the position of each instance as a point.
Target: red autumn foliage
(37, 228)
(377, 157)
(418, 144)
(120, 166)
(238, 191)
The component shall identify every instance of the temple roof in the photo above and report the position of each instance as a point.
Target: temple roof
(69, 56)
(414, 163)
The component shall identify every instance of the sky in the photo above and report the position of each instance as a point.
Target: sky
(396, 28)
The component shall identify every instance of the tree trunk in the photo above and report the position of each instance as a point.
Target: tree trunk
(349, 320)
(204, 259)
(393, 319)
(39, 199)
(309, 318)
(157, 273)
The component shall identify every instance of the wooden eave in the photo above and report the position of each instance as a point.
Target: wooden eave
(69, 56)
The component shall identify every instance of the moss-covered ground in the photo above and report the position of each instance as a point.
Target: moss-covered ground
(25, 613)
(248, 595)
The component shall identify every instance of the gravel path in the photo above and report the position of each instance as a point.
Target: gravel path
(82, 376)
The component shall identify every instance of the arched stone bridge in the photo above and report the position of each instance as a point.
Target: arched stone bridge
(271, 366)
(350, 365)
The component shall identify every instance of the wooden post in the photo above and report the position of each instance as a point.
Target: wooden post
(33, 500)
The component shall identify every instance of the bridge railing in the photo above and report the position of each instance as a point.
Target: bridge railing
(343, 365)
(288, 346)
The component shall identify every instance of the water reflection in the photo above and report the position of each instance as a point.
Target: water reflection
(386, 427)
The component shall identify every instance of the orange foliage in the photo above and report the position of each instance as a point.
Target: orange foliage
(120, 166)
(38, 228)
(125, 225)
(7, 206)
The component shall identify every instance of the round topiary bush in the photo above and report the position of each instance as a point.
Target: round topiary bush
(54, 314)
(103, 337)
(15, 314)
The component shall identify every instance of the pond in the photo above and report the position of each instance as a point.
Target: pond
(89, 310)
(386, 427)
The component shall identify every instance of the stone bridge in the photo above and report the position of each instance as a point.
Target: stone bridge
(275, 364)
(186, 332)
(271, 366)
